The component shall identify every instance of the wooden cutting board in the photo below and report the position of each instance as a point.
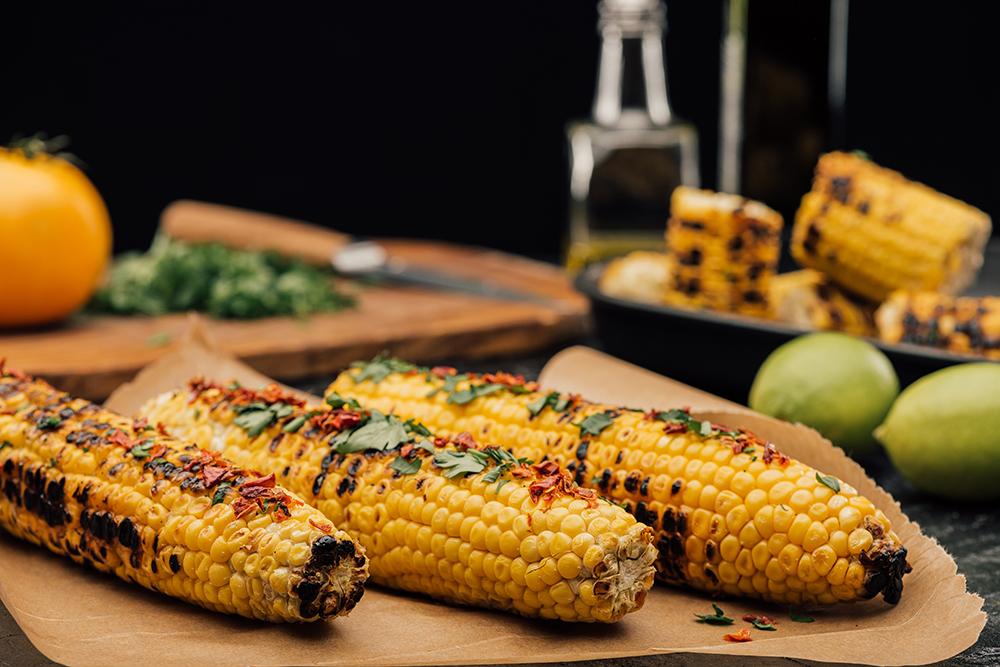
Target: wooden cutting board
(90, 356)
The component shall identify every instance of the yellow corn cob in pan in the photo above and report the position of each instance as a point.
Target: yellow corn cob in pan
(873, 231)
(451, 520)
(732, 514)
(723, 251)
(967, 325)
(128, 500)
(810, 299)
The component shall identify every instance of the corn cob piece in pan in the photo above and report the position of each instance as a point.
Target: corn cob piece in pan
(723, 251)
(452, 520)
(809, 299)
(639, 276)
(128, 500)
(873, 231)
(965, 324)
(732, 514)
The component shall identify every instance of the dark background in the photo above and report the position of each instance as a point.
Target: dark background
(446, 119)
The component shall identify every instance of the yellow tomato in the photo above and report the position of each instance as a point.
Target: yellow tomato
(55, 238)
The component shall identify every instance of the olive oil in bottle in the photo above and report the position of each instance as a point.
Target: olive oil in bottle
(628, 158)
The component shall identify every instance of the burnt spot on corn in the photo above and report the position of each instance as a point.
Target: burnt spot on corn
(347, 485)
(675, 488)
(175, 563)
(605, 480)
(840, 188)
(812, 237)
(581, 451)
(275, 441)
(632, 480)
(735, 244)
(753, 296)
(318, 483)
(580, 477)
(693, 224)
(711, 551)
(644, 487)
(692, 258)
(643, 514)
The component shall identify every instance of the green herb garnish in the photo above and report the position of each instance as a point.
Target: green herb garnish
(173, 276)
(257, 416)
(800, 618)
(406, 466)
(460, 464)
(540, 403)
(829, 481)
(380, 368)
(379, 432)
(473, 392)
(49, 423)
(337, 402)
(760, 625)
(413, 426)
(718, 618)
(220, 493)
(141, 450)
(594, 424)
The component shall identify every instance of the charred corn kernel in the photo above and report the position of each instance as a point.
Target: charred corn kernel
(94, 486)
(811, 300)
(708, 499)
(873, 231)
(503, 542)
(966, 324)
(722, 250)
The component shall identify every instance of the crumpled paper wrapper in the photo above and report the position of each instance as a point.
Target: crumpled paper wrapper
(81, 617)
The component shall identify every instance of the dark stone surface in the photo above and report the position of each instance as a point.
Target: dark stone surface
(970, 533)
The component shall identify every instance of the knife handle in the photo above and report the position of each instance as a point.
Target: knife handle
(200, 222)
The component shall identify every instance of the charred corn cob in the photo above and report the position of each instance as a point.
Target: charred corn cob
(873, 231)
(128, 500)
(732, 514)
(723, 251)
(967, 325)
(452, 520)
(640, 276)
(809, 299)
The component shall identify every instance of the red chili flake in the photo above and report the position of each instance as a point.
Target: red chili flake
(321, 525)
(140, 424)
(121, 439)
(261, 483)
(412, 371)
(212, 474)
(280, 513)
(443, 371)
(674, 427)
(161, 428)
(552, 482)
(741, 636)
(157, 451)
(464, 441)
(336, 420)
(272, 393)
(406, 450)
(243, 506)
(771, 452)
(509, 380)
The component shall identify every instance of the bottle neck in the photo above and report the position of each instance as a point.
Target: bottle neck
(631, 78)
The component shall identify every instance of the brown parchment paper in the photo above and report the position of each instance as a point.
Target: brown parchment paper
(80, 617)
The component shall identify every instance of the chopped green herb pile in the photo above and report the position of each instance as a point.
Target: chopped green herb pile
(225, 283)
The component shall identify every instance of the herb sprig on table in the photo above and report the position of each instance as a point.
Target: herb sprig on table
(211, 278)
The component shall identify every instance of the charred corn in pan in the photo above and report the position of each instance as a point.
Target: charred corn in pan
(967, 325)
(449, 519)
(809, 299)
(723, 251)
(873, 231)
(732, 514)
(128, 500)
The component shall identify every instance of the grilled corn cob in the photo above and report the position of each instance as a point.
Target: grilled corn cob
(640, 276)
(967, 325)
(451, 520)
(723, 251)
(732, 514)
(809, 299)
(873, 231)
(128, 500)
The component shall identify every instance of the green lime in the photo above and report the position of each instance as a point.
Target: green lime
(944, 432)
(840, 385)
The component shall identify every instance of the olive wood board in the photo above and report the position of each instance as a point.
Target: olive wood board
(91, 355)
(79, 617)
